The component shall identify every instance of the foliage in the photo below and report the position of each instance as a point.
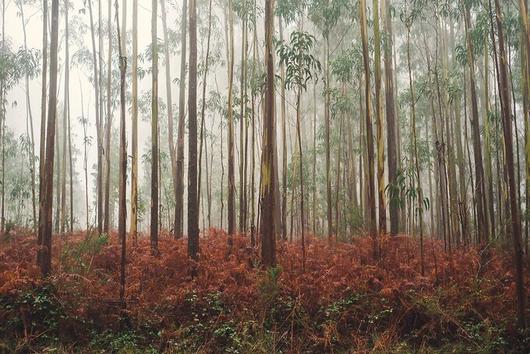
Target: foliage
(344, 299)
(300, 64)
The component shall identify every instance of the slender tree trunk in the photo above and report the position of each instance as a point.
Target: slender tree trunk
(193, 202)
(390, 118)
(106, 221)
(416, 159)
(154, 131)
(483, 234)
(369, 135)
(44, 83)
(45, 221)
(134, 132)
(284, 142)
(31, 150)
(203, 111)
(122, 206)
(267, 188)
(169, 100)
(179, 203)
(231, 178)
(66, 110)
(379, 121)
(327, 119)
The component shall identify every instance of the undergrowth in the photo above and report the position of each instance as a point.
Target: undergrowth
(345, 301)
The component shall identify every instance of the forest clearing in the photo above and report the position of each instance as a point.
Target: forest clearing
(264, 176)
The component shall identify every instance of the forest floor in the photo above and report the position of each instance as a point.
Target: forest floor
(344, 301)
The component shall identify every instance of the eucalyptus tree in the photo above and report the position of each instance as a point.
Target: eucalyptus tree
(193, 202)
(231, 138)
(122, 205)
(392, 144)
(325, 14)
(134, 124)
(368, 126)
(268, 227)
(96, 58)
(179, 203)
(154, 130)
(379, 120)
(29, 112)
(45, 205)
(480, 193)
(408, 17)
(169, 99)
(66, 113)
(301, 67)
(287, 12)
(515, 222)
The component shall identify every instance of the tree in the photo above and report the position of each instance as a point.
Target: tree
(301, 66)
(122, 205)
(379, 121)
(368, 127)
(30, 118)
(231, 167)
(45, 204)
(483, 233)
(154, 130)
(44, 95)
(193, 202)
(267, 226)
(169, 98)
(515, 223)
(390, 116)
(106, 220)
(179, 203)
(134, 117)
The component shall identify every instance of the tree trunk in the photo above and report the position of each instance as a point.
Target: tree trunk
(193, 202)
(42, 147)
(501, 62)
(122, 206)
(231, 178)
(369, 135)
(477, 147)
(134, 133)
(154, 131)
(379, 121)
(45, 205)
(179, 203)
(390, 118)
(268, 226)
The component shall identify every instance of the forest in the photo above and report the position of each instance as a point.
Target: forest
(272, 176)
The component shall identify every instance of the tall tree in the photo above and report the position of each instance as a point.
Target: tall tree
(154, 130)
(169, 98)
(379, 120)
(267, 226)
(480, 193)
(193, 202)
(231, 138)
(66, 112)
(515, 222)
(134, 118)
(390, 116)
(368, 126)
(122, 203)
(30, 119)
(106, 220)
(45, 204)
(179, 203)
(44, 95)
